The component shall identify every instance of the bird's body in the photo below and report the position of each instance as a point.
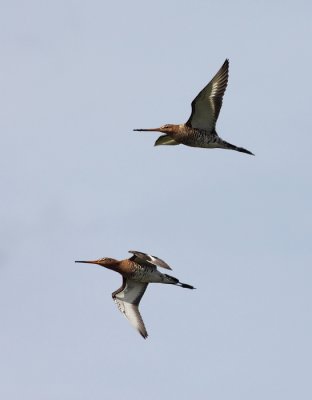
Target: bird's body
(137, 272)
(144, 273)
(199, 130)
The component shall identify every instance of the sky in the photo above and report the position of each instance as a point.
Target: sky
(78, 183)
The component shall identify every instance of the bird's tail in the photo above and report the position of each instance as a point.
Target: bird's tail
(174, 281)
(229, 146)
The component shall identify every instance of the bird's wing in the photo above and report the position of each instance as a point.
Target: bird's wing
(165, 140)
(127, 298)
(206, 106)
(142, 258)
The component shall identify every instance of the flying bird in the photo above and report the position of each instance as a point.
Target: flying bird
(137, 272)
(199, 130)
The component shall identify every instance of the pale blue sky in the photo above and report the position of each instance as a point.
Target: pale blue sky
(77, 183)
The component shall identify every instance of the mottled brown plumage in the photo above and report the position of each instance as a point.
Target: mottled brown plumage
(199, 130)
(137, 272)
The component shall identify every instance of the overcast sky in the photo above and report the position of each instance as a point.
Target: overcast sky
(78, 183)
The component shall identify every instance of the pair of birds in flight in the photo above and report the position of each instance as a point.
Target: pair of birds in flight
(199, 131)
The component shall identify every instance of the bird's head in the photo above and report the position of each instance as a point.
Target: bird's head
(168, 128)
(103, 262)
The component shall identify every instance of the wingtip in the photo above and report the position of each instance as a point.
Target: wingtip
(242, 150)
(158, 141)
(143, 333)
(185, 285)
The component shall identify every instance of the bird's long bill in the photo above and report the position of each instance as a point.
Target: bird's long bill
(148, 130)
(88, 262)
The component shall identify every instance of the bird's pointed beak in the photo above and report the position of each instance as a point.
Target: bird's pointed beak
(88, 262)
(148, 130)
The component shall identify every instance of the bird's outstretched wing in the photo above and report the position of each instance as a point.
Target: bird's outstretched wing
(127, 298)
(147, 258)
(207, 104)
